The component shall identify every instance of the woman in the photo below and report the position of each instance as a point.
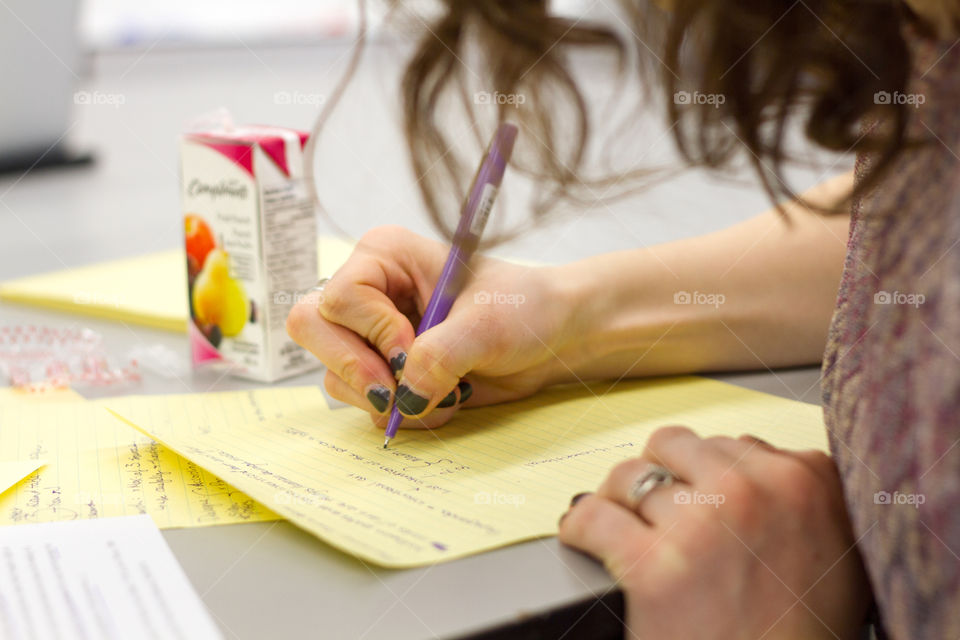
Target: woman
(804, 545)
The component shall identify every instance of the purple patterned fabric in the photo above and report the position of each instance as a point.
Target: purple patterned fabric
(891, 373)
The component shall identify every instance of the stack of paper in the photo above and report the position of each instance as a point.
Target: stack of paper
(111, 578)
(492, 477)
(92, 465)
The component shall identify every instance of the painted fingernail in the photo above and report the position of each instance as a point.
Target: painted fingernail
(466, 390)
(397, 362)
(449, 401)
(577, 498)
(410, 403)
(379, 397)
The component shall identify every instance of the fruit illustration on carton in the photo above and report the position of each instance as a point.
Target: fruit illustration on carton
(250, 238)
(199, 242)
(218, 299)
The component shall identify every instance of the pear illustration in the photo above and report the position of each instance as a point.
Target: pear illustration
(218, 299)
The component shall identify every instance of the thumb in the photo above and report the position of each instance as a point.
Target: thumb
(436, 362)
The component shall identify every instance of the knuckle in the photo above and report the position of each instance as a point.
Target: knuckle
(438, 361)
(796, 484)
(664, 434)
(625, 471)
(350, 371)
(382, 332)
(335, 302)
(741, 497)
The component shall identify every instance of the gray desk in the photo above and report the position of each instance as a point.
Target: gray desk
(271, 579)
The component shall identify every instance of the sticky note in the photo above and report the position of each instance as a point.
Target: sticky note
(493, 476)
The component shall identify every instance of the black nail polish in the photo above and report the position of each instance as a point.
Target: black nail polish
(409, 403)
(449, 401)
(577, 498)
(466, 390)
(397, 362)
(379, 397)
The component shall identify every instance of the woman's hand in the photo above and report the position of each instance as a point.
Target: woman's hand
(504, 332)
(750, 542)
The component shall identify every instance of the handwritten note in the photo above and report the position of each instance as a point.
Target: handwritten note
(99, 467)
(110, 578)
(494, 476)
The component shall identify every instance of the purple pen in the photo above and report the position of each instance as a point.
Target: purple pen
(473, 218)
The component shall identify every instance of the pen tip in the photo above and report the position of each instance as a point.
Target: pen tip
(386, 442)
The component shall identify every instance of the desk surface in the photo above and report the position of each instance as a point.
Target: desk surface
(271, 579)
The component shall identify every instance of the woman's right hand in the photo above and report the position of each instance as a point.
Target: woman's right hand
(503, 339)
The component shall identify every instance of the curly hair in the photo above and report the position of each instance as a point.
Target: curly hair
(766, 64)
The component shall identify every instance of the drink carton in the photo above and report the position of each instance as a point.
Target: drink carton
(251, 244)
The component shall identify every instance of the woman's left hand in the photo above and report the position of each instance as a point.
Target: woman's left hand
(749, 542)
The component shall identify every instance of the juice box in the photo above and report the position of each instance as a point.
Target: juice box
(251, 241)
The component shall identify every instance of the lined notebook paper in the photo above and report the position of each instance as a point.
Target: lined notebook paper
(97, 466)
(15, 471)
(148, 290)
(493, 476)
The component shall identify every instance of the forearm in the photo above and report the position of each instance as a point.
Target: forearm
(759, 294)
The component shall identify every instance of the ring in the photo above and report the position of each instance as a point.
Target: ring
(318, 288)
(655, 476)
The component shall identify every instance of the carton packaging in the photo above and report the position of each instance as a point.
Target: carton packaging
(250, 235)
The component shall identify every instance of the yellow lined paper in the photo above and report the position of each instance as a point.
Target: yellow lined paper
(494, 476)
(13, 471)
(148, 290)
(98, 467)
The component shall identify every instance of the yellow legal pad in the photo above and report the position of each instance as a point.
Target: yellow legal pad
(97, 466)
(492, 477)
(148, 290)
(14, 471)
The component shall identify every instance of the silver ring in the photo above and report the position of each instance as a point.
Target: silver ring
(318, 288)
(654, 476)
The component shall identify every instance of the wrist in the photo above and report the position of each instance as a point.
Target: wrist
(619, 318)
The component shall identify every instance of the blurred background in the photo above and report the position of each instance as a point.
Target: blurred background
(117, 82)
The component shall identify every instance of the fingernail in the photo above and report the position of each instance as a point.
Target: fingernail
(466, 390)
(449, 401)
(410, 403)
(577, 498)
(379, 397)
(397, 362)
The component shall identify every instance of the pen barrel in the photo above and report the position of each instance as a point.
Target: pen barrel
(473, 219)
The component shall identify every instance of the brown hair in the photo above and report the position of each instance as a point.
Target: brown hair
(774, 62)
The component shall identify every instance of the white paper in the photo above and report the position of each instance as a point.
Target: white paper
(103, 578)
